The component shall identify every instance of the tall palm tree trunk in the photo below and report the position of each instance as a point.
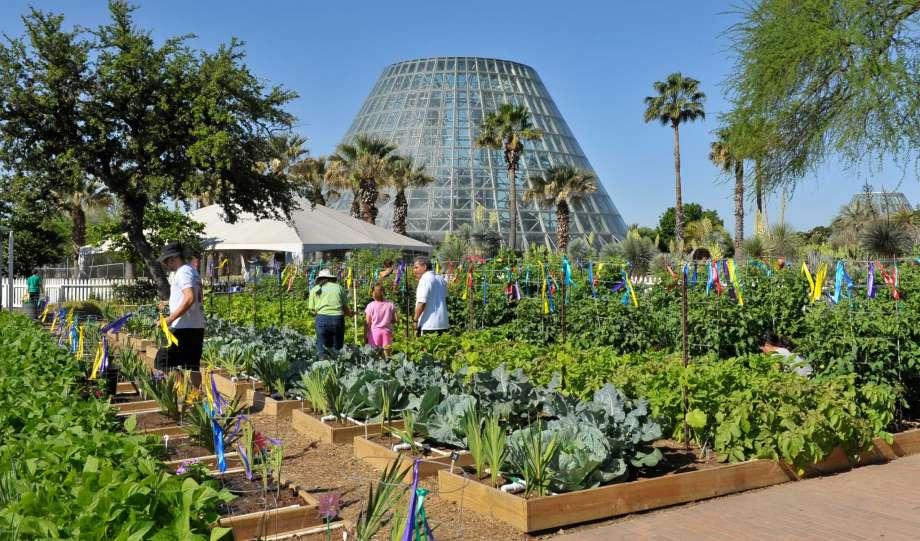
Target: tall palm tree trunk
(368, 196)
(562, 226)
(78, 234)
(355, 209)
(679, 241)
(739, 206)
(400, 211)
(512, 206)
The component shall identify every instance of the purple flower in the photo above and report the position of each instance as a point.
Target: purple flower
(158, 375)
(329, 505)
(184, 465)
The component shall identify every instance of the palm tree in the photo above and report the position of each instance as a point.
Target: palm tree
(89, 195)
(285, 151)
(359, 166)
(678, 100)
(723, 154)
(506, 129)
(310, 176)
(404, 174)
(560, 186)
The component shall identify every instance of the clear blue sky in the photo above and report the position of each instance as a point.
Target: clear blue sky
(597, 59)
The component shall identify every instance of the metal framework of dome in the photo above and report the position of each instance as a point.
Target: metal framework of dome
(431, 109)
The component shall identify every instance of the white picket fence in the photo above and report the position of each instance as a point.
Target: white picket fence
(67, 289)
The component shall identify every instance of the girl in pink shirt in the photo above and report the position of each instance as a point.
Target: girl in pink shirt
(380, 316)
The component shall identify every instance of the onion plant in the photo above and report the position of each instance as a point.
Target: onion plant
(495, 443)
(390, 489)
(472, 422)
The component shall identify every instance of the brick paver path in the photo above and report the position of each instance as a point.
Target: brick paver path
(872, 502)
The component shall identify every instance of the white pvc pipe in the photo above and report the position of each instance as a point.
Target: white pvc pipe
(402, 447)
(515, 487)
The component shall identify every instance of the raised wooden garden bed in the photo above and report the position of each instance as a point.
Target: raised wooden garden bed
(174, 432)
(266, 405)
(546, 512)
(379, 455)
(297, 516)
(333, 431)
(236, 389)
(126, 387)
(234, 463)
(140, 406)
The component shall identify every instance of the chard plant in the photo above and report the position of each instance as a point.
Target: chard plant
(495, 445)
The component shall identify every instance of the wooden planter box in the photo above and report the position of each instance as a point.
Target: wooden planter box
(266, 405)
(141, 406)
(126, 387)
(546, 512)
(150, 353)
(301, 522)
(234, 463)
(174, 432)
(380, 457)
(307, 423)
(907, 442)
(137, 344)
(236, 389)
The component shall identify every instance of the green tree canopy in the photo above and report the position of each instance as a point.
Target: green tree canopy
(150, 122)
(692, 212)
(821, 78)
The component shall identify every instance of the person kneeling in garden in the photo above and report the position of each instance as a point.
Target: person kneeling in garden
(329, 301)
(380, 316)
(186, 314)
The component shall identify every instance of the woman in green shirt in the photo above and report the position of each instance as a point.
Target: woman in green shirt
(329, 301)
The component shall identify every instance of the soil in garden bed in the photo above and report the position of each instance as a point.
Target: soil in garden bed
(389, 441)
(147, 421)
(319, 468)
(251, 499)
(185, 449)
(678, 460)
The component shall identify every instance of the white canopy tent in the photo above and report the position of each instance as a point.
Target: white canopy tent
(317, 229)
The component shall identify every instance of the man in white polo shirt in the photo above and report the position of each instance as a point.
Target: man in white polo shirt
(430, 299)
(186, 314)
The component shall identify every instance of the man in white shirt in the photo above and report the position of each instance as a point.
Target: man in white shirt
(430, 299)
(186, 314)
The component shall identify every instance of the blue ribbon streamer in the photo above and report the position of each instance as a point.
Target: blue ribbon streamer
(591, 279)
(840, 278)
(870, 287)
(710, 278)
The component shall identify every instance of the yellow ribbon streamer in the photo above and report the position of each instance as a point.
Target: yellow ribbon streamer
(348, 278)
(45, 314)
(734, 279)
(223, 262)
(811, 282)
(54, 321)
(79, 352)
(543, 291)
(206, 383)
(171, 339)
(97, 362)
(819, 282)
(632, 292)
